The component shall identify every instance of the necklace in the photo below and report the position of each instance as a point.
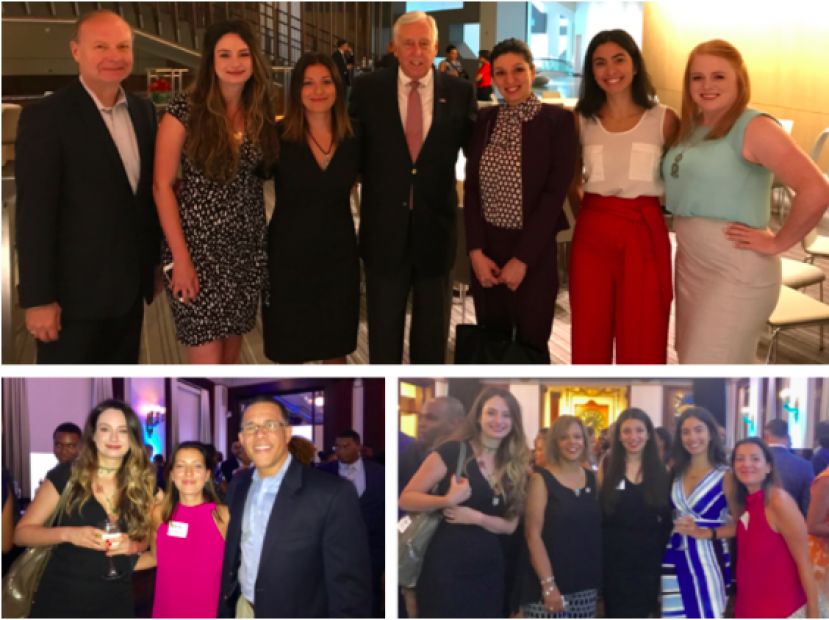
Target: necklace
(236, 134)
(107, 498)
(326, 159)
(107, 470)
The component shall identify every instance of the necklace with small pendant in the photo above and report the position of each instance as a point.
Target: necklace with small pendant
(496, 498)
(326, 155)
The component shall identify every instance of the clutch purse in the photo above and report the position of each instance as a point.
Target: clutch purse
(415, 532)
(23, 578)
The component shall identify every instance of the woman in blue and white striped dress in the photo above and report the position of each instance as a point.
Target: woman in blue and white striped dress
(696, 569)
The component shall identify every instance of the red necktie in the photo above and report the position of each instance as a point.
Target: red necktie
(414, 121)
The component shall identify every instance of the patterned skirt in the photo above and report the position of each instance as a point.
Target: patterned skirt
(576, 605)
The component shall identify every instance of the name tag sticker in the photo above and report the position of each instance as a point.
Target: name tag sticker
(177, 529)
(404, 524)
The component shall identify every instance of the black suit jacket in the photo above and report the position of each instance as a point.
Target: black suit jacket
(315, 560)
(342, 66)
(84, 239)
(372, 506)
(795, 474)
(392, 235)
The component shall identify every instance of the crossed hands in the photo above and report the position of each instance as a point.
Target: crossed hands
(489, 274)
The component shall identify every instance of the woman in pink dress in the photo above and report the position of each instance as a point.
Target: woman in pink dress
(774, 576)
(188, 545)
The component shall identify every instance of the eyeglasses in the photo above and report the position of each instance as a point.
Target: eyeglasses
(675, 165)
(268, 426)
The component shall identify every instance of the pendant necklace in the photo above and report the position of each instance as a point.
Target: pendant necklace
(238, 135)
(107, 498)
(326, 159)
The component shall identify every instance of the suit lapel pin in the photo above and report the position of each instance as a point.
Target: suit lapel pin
(441, 100)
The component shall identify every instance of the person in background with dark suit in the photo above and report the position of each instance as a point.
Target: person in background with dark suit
(296, 544)
(388, 60)
(414, 123)
(795, 472)
(820, 459)
(87, 231)
(521, 160)
(344, 60)
(369, 479)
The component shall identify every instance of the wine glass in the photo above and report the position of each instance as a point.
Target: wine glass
(111, 532)
(678, 514)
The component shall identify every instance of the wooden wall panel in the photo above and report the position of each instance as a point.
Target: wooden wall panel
(784, 44)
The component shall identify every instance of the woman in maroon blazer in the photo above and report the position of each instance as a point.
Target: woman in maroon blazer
(519, 165)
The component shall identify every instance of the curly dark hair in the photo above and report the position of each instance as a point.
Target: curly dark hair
(511, 46)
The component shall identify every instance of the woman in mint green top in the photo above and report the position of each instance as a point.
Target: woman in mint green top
(718, 181)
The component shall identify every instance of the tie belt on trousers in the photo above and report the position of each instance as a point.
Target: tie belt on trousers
(651, 235)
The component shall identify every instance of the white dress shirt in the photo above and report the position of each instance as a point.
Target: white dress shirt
(118, 122)
(427, 98)
(356, 473)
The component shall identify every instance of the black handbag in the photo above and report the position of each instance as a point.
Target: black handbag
(478, 344)
(415, 532)
(21, 582)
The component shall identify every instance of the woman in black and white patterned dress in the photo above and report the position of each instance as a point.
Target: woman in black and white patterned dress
(520, 163)
(222, 133)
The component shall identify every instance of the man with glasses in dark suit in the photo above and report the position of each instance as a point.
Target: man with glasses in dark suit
(296, 544)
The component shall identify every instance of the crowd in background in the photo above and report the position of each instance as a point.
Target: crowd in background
(635, 522)
(268, 512)
(191, 217)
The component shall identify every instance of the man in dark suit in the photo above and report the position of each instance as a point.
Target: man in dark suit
(414, 122)
(794, 471)
(344, 60)
(87, 230)
(296, 543)
(369, 479)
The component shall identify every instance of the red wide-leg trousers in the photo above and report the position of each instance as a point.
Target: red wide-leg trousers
(620, 281)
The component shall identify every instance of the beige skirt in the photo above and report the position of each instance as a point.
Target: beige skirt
(724, 295)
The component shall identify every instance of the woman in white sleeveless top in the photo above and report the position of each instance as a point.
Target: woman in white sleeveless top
(620, 272)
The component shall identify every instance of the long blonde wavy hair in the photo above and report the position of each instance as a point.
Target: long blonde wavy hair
(135, 478)
(512, 456)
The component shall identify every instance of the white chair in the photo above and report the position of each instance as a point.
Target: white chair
(815, 246)
(797, 275)
(794, 309)
(818, 146)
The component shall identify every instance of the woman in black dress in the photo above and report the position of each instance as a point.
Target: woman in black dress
(562, 526)
(113, 481)
(636, 518)
(314, 302)
(221, 134)
(463, 569)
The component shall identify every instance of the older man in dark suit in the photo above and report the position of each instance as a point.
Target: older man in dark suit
(794, 471)
(414, 122)
(296, 543)
(87, 230)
